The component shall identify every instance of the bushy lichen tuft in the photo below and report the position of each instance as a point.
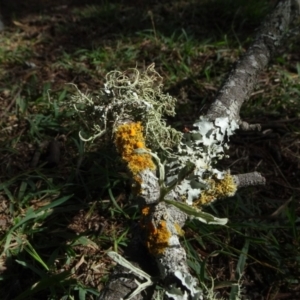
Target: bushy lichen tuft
(130, 96)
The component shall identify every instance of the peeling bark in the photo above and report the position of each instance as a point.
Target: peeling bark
(121, 284)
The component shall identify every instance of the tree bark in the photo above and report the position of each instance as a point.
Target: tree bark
(241, 80)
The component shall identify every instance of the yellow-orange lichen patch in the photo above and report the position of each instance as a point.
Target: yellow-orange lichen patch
(136, 185)
(128, 138)
(179, 230)
(140, 145)
(145, 210)
(220, 188)
(158, 237)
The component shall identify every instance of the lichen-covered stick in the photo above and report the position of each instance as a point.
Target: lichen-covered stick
(242, 79)
(174, 174)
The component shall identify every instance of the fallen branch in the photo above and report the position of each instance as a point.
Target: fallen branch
(174, 174)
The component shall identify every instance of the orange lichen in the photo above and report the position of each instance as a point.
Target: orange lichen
(145, 210)
(140, 145)
(136, 186)
(128, 138)
(220, 188)
(158, 237)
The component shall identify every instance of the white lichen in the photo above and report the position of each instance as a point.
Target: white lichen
(202, 147)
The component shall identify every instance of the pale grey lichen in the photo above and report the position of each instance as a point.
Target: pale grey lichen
(130, 96)
(202, 147)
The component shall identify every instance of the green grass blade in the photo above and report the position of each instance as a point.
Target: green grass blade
(117, 206)
(45, 284)
(236, 288)
(242, 260)
(31, 267)
(197, 214)
(31, 251)
(55, 203)
(9, 235)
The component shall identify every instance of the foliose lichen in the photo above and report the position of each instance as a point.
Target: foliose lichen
(202, 147)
